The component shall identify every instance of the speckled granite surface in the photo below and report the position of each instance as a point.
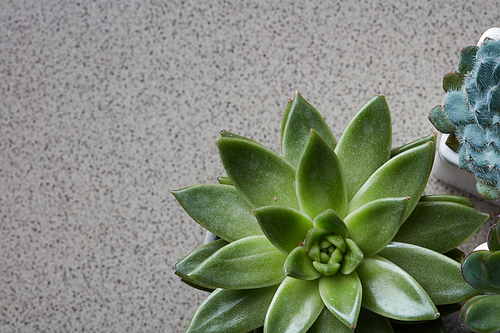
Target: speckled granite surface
(107, 106)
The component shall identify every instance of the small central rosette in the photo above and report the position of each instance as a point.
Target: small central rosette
(326, 250)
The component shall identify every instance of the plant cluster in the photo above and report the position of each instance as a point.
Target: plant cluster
(328, 236)
(482, 270)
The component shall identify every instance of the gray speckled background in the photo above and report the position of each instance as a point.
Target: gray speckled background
(107, 106)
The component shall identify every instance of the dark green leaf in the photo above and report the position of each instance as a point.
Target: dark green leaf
(285, 227)
(370, 322)
(473, 272)
(262, 176)
(251, 262)
(331, 221)
(452, 81)
(439, 275)
(301, 118)
(219, 209)
(440, 226)
(493, 241)
(482, 315)
(320, 184)
(328, 323)
(467, 59)
(391, 292)
(365, 144)
(375, 224)
(298, 265)
(447, 198)
(405, 175)
(352, 258)
(342, 296)
(192, 260)
(232, 311)
(295, 306)
(491, 268)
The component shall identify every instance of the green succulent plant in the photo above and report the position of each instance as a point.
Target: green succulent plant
(327, 236)
(482, 270)
(471, 115)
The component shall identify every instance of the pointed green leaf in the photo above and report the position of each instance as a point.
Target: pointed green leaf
(374, 225)
(473, 272)
(440, 226)
(232, 311)
(391, 292)
(370, 322)
(429, 138)
(262, 176)
(295, 307)
(331, 221)
(328, 323)
(402, 176)
(342, 296)
(447, 198)
(298, 265)
(440, 276)
(320, 184)
(301, 118)
(365, 144)
(192, 260)
(219, 209)
(288, 107)
(224, 181)
(483, 314)
(251, 262)
(285, 227)
(352, 257)
(491, 268)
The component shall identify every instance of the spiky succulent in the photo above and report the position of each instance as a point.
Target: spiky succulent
(482, 270)
(327, 236)
(471, 114)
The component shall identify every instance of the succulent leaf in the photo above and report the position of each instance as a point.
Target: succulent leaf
(297, 125)
(262, 176)
(195, 258)
(439, 275)
(493, 241)
(370, 132)
(297, 304)
(251, 262)
(298, 265)
(405, 175)
(375, 224)
(391, 292)
(481, 314)
(370, 322)
(224, 181)
(353, 257)
(491, 269)
(328, 323)
(342, 296)
(452, 81)
(221, 209)
(331, 221)
(441, 121)
(447, 198)
(429, 138)
(221, 311)
(440, 225)
(467, 59)
(320, 184)
(473, 272)
(285, 227)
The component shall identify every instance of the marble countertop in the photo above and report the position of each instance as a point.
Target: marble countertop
(108, 106)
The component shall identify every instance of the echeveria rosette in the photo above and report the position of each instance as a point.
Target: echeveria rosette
(328, 236)
(482, 270)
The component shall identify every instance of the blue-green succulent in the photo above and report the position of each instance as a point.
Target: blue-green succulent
(470, 113)
(328, 236)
